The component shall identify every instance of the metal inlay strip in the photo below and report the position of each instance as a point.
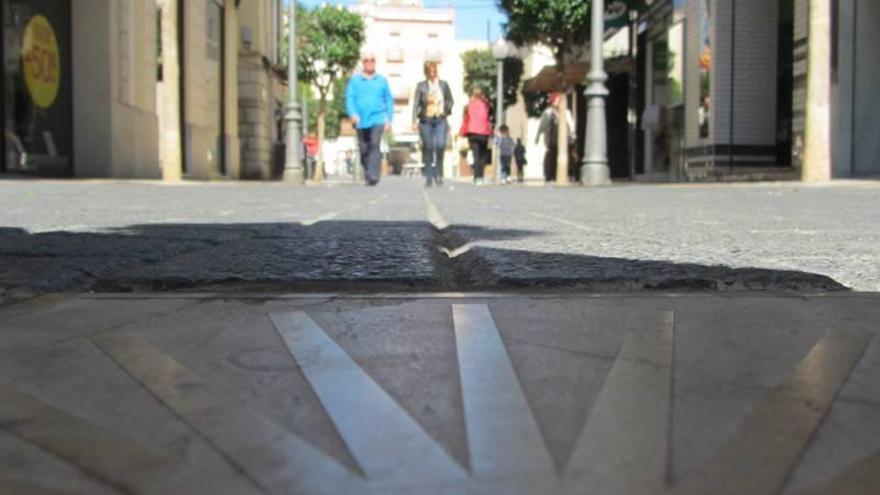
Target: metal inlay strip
(861, 478)
(110, 458)
(272, 457)
(623, 447)
(503, 436)
(386, 441)
(757, 458)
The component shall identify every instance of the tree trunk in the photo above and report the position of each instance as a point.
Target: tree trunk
(817, 153)
(319, 160)
(562, 141)
(171, 149)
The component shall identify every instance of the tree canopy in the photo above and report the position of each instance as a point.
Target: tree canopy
(329, 43)
(334, 110)
(311, 32)
(559, 24)
(328, 47)
(562, 26)
(480, 70)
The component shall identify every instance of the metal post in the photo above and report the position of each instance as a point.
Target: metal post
(594, 171)
(499, 120)
(632, 118)
(305, 112)
(293, 168)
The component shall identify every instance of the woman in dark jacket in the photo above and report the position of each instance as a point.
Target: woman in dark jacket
(432, 103)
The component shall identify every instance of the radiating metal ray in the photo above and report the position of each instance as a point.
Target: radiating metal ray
(623, 447)
(861, 478)
(272, 457)
(110, 458)
(503, 436)
(757, 458)
(385, 440)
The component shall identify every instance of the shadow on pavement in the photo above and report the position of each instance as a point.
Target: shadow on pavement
(340, 255)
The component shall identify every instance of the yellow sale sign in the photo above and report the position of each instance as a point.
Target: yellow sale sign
(41, 61)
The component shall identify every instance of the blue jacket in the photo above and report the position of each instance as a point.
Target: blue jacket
(369, 99)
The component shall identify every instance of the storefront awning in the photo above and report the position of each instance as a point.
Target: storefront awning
(548, 81)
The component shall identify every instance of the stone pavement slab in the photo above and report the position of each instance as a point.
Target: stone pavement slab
(442, 393)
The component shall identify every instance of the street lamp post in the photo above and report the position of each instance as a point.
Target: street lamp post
(594, 171)
(293, 168)
(500, 51)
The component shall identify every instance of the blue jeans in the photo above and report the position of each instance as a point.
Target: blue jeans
(433, 134)
(369, 140)
(505, 166)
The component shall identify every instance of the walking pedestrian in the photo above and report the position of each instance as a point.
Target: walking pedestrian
(504, 144)
(519, 154)
(312, 147)
(432, 103)
(476, 127)
(349, 163)
(370, 106)
(549, 128)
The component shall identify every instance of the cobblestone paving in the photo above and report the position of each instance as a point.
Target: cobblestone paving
(106, 235)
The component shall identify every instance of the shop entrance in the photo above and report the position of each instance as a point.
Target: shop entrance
(662, 119)
(866, 123)
(36, 88)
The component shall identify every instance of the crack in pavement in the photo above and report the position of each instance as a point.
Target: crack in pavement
(462, 267)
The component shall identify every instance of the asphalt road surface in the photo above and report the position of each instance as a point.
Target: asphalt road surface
(123, 236)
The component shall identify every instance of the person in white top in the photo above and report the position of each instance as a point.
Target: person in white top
(432, 103)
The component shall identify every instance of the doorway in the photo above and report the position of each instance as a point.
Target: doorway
(866, 123)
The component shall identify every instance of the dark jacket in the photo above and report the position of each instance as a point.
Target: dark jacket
(519, 154)
(420, 100)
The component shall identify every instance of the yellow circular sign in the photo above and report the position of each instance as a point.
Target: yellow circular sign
(41, 61)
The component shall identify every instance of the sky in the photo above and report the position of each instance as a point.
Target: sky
(470, 15)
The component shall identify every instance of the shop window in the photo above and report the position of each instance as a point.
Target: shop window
(37, 85)
(675, 64)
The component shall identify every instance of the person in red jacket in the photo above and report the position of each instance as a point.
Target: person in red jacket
(476, 127)
(311, 145)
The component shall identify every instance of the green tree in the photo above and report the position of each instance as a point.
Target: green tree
(561, 25)
(329, 42)
(481, 70)
(334, 111)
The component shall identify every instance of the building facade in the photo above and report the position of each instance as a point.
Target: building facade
(79, 88)
(127, 88)
(855, 77)
(721, 88)
(261, 88)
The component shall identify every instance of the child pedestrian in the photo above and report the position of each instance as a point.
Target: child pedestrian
(505, 146)
(519, 154)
